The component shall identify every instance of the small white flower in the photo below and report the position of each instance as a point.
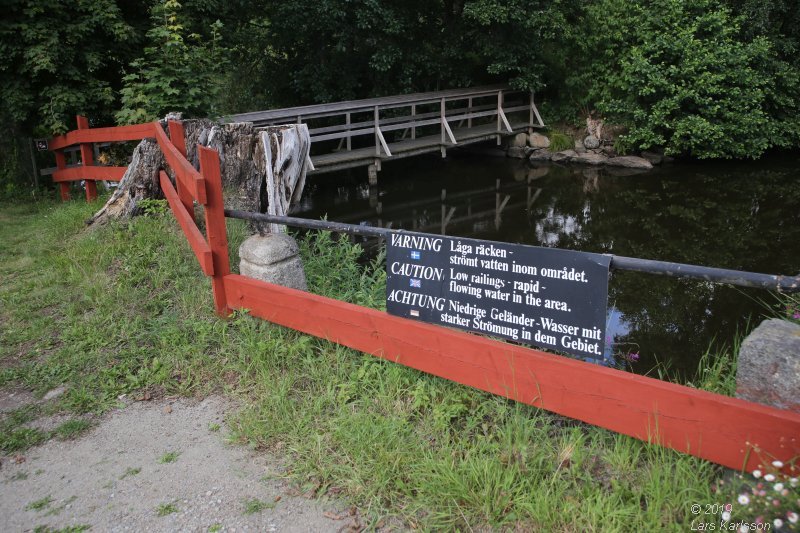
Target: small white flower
(769, 477)
(792, 517)
(778, 487)
(793, 481)
(777, 464)
(756, 474)
(743, 529)
(777, 522)
(743, 499)
(726, 516)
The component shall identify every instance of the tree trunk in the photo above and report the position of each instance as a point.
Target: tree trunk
(139, 182)
(263, 169)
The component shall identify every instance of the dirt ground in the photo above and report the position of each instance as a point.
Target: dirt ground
(154, 466)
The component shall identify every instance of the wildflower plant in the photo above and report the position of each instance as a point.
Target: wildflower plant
(793, 308)
(767, 499)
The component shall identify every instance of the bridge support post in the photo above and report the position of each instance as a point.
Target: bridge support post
(372, 173)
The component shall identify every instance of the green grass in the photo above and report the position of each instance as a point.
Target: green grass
(166, 509)
(19, 476)
(130, 472)
(254, 505)
(125, 309)
(72, 428)
(39, 505)
(169, 457)
(69, 529)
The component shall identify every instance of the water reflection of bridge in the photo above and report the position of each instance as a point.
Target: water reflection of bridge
(367, 132)
(481, 205)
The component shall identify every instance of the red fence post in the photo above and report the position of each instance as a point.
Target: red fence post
(61, 164)
(87, 159)
(215, 226)
(176, 135)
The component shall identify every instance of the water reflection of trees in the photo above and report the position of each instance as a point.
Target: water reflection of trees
(744, 217)
(746, 220)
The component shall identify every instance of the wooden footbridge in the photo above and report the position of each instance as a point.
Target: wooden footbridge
(367, 132)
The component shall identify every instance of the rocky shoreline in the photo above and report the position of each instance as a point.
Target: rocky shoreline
(591, 151)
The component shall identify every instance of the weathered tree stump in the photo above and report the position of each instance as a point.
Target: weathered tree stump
(263, 169)
(139, 182)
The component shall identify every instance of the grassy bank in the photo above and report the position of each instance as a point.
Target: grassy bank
(125, 310)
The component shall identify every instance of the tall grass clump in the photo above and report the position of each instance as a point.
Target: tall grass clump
(561, 141)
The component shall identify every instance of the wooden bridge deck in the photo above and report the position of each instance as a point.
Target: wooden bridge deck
(462, 116)
(342, 159)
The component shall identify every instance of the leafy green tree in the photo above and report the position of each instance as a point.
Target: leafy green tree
(60, 58)
(680, 75)
(177, 72)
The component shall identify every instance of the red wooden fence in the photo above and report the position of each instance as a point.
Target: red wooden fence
(728, 431)
(87, 171)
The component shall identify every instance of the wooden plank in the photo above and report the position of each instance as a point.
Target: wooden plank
(96, 135)
(717, 428)
(178, 138)
(215, 226)
(89, 173)
(87, 160)
(536, 112)
(196, 240)
(190, 178)
(343, 134)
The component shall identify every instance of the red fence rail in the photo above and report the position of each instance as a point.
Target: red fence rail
(85, 137)
(728, 431)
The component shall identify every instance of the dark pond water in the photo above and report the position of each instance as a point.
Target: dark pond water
(737, 215)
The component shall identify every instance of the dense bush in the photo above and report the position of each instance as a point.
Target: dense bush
(679, 75)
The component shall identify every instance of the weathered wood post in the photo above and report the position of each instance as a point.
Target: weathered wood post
(176, 135)
(215, 226)
(87, 160)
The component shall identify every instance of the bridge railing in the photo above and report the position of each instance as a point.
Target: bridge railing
(462, 106)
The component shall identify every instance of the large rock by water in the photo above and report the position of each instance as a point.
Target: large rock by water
(590, 158)
(540, 155)
(516, 151)
(274, 258)
(769, 365)
(519, 140)
(564, 156)
(653, 157)
(630, 161)
(537, 140)
(591, 142)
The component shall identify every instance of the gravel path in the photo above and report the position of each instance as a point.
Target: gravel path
(156, 466)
